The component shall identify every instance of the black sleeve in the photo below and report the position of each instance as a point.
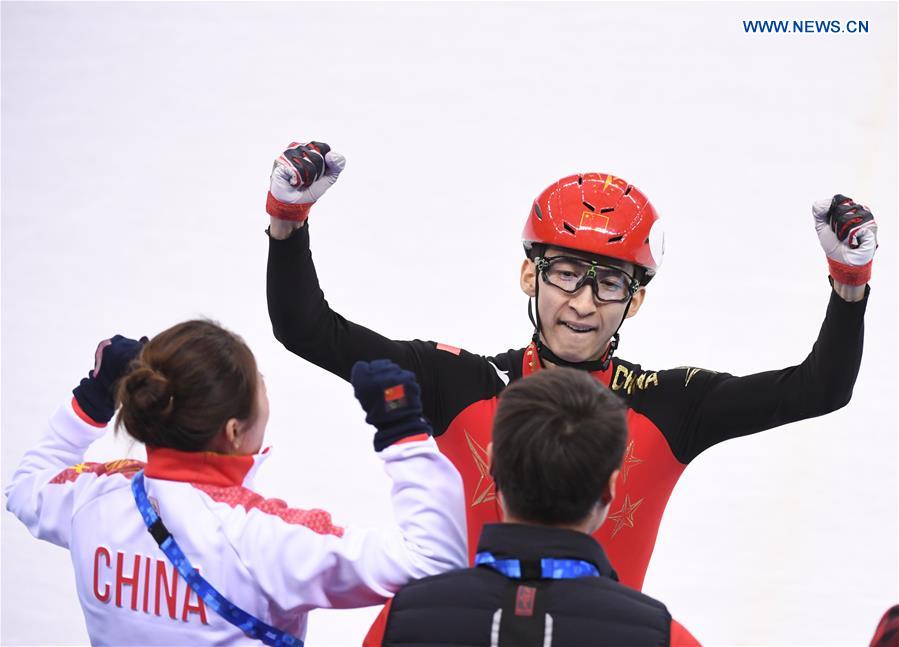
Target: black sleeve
(303, 321)
(717, 406)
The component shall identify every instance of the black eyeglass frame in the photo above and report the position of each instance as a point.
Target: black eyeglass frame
(543, 263)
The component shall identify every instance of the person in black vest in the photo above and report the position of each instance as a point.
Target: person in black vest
(540, 577)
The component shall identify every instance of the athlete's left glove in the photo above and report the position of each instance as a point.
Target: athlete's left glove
(96, 393)
(848, 234)
(392, 399)
(300, 176)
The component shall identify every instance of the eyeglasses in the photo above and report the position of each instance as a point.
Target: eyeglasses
(569, 274)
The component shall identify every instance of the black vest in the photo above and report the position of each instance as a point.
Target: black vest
(481, 607)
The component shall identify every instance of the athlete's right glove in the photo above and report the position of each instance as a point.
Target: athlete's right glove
(300, 176)
(95, 394)
(848, 234)
(391, 398)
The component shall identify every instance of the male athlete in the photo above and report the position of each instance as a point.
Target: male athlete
(593, 244)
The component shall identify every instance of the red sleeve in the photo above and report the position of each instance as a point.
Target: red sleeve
(375, 635)
(887, 633)
(680, 637)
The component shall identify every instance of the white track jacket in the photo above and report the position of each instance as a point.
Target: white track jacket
(273, 561)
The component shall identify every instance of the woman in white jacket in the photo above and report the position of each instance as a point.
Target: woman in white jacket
(194, 396)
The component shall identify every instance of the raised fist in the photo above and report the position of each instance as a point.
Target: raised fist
(300, 176)
(391, 399)
(848, 234)
(96, 393)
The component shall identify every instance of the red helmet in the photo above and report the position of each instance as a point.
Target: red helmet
(598, 214)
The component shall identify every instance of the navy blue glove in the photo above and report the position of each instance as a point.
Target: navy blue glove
(391, 398)
(96, 393)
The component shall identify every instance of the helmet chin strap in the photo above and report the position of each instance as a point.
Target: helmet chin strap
(546, 355)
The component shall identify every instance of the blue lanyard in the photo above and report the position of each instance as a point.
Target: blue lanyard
(551, 568)
(250, 625)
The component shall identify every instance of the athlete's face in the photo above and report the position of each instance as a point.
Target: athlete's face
(576, 327)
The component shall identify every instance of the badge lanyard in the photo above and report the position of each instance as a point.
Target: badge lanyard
(551, 568)
(249, 624)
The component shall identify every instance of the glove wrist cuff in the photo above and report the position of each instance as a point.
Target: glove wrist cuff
(76, 407)
(91, 402)
(392, 434)
(850, 274)
(285, 211)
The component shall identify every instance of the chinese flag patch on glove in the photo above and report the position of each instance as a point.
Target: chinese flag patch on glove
(394, 397)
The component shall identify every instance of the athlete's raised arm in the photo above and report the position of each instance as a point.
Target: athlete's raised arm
(301, 318)
(303, 321)
(724, 406)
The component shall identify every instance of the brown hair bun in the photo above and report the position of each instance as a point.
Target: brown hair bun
(187, 382)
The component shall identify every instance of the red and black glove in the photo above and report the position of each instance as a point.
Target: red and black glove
(300, 176)
(391, 398)
(96, 393)
(848, 234)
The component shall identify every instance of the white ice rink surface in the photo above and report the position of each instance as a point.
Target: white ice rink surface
(136, 145)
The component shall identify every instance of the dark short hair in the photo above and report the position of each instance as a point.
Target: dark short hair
(557, 437)
(187, 382)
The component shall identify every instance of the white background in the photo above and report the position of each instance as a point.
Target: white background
(136, 145)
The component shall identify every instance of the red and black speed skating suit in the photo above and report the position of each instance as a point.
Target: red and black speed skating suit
(673, 415)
